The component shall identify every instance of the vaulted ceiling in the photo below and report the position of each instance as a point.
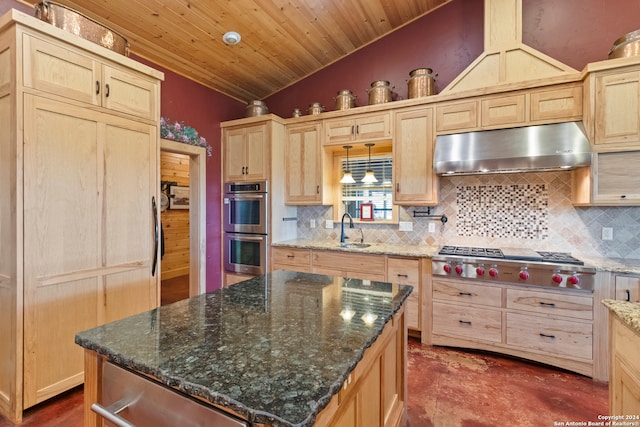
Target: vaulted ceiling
(283, 41)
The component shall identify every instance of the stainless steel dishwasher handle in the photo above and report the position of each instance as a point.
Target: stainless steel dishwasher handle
(112, 415)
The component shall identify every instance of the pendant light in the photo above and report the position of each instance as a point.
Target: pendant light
(369, 176)
(347, 177)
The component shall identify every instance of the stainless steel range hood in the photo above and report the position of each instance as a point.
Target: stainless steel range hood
(558, 146)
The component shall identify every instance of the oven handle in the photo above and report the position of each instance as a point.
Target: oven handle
(243, 236)
(245, 196)
(111, 413)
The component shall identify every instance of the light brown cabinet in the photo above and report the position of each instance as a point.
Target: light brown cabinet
(627, 288)
(246, 152)
(612, 180)
(361, 127)
(374, 393)
(294, 259)
(61, 70)
(549, 326)
(617, 109)
(413, 145)
(344, 264)
(624, 380)
(407, 271)
(305, 182)
(560, 103)
(77, 257)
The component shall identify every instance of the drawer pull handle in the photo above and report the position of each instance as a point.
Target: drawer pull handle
(291, 256)
(97, 87)
(628, 292)
(406, 276)
(547, 304)
(553, 337)
(464, 322)
(465, 294)
(111, 414)
(108, 90)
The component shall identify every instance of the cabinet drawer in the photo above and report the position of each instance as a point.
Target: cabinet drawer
(566, 304)
(370, 264)
(562, 337)
(506, 110)
(468, 322)
(557, 104)
(404, 272)
(292, 256)
(467, 293)
(461, 115)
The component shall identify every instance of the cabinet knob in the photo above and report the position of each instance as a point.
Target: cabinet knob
(624, 196)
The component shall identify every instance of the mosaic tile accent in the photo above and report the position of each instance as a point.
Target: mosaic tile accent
(513, 210)
(567, 228)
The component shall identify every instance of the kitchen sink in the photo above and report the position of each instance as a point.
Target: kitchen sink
(354, 245)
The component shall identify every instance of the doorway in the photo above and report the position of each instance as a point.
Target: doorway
(191, 212)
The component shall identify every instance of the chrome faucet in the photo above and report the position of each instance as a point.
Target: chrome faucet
(342, 236)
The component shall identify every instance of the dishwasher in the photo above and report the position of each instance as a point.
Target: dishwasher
(131, 400)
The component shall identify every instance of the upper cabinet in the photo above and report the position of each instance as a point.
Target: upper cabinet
(361, 127)
(304, 177)
(617, 109)
(559, 103)
(246, 152)
(70, 73)
(413, 144)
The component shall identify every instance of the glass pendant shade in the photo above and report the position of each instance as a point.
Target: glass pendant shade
(369, 176)
(347, 177)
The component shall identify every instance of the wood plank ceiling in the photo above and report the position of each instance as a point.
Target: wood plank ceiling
(283, 41)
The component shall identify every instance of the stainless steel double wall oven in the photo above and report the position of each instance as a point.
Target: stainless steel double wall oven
(246, 227)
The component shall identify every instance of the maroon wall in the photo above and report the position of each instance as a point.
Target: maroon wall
(447, 40)
(203, 109)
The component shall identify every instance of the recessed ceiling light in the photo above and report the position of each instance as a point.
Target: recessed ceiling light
(231, 38)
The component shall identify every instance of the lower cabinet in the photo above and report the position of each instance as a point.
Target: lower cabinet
(374, 393)
(624, 381)
(385, 268)
(548, 326)
(627, 288)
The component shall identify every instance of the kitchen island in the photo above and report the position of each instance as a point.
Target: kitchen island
(284, 349)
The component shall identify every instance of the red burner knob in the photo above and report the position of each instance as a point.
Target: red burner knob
(573, 279)
(493, 271)
(557, 278)
(480, 271)
(459, 269)
(524, 274)
(447, 268)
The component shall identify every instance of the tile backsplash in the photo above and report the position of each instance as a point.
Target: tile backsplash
(525, 210)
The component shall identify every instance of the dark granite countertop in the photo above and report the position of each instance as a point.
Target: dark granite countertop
(274, 349)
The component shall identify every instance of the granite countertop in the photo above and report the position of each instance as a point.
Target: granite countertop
(274, 349)
(627, 312)
(375, 248)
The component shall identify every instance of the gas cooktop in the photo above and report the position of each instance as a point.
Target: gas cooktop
(511, 254)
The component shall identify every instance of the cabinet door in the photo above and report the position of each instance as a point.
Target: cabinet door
(616, 181)
(373, 126)
(339, 131)
(61, 71)
(407, 272)
(246, 153)
(628, 288)
(130, 92)
(617, 109)
(415, 182)
(130, 181)
(303, 168)
(63, 219)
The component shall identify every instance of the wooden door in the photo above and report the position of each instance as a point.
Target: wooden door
(415, 182)
(617, 114)
(303, 170)
(62, 221)
(234, 147)
(130, 92)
